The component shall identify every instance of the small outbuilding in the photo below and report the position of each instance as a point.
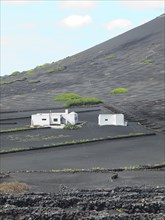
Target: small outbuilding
(54, 119)
(111, 119)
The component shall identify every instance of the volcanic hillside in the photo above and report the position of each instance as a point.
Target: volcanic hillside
(133, 60)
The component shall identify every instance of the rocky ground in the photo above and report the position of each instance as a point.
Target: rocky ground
(118, 203)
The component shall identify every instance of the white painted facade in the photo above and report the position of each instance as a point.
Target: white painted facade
(111, 119)
(54, 119)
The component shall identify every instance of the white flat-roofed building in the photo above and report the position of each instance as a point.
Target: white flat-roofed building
(111, 119)
(54, 119)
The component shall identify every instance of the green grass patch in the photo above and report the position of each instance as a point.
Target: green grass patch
(145, 166)
(13, 81)
(71, 127)
(82, 102)
(15, 73)
(32, 138)
(29, 73)
(50, 71)
(15, 129)
(120, 210)
(107, 74)
(33, 81)
(67, 96)
(119, 90)
(148, 61)
(95, 170)
(42, 66)
(59, 68)
(110, 57)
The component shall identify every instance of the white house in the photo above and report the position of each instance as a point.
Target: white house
(111, 119)
(54, 119)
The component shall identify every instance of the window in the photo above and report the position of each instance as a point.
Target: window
(106, 119)
(55, 119)
(43, 119)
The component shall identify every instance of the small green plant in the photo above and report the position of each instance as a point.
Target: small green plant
(28, 73)
(107, 74)
(67, 96)
(15, 73)
(42, 66)
(82, 101)
(120, 210)
(145, 166)
(50, 71)
(119, 90)
(110, 57)
(59, 68)
(71, 127)
(13, 81)
(33, 81)
(148, 61)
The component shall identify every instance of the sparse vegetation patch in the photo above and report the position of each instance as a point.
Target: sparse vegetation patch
(42, 66)
(146, 166)
(110, 57)
(28, 73)
(16, 129)
(57, 69)
(73, 142)
(13, 81)
(15, 73)
(119, 90)
(29, 138)
(13, 187)
(82, 101)
(33, 81)
(71, 127)
(148, 61)
(67, 96)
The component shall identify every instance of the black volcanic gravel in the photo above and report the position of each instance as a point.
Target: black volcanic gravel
(119, 203)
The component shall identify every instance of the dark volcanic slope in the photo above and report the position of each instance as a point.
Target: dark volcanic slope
(91, 73)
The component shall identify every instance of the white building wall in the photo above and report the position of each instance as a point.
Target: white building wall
(120, 119)
(71, 118)
(111, 119)
(47, 119)
(40, 120)
(55, 118)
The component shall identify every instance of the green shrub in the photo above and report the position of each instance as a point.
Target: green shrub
(110, 57)
(67, 96)
(15, 73)
(42, 66)
(28, 73)
(13, 81)
(82, 101)
(119, 90)
(50, 71)
(148, 61)
(59, 68)
(71, 127)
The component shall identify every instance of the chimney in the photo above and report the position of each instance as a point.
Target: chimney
(66, 111)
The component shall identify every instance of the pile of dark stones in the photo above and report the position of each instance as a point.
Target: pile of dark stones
(120, 203)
